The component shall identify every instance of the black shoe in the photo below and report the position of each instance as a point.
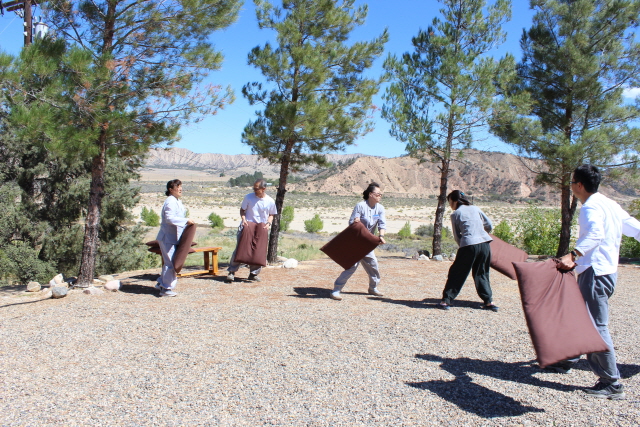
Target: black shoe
(563, 367)
(230, 278)
(253, 277)
(491, 307)
(444, 306)
(608, 391)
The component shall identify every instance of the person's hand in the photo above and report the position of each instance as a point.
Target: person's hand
(382, 241)
(267, 225)
(244, 222)
(357, 219)
(190, 222)
(566, 263)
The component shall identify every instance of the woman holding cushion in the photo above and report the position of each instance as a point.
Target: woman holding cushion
(471, 229)
(370, 213)
(172, 225)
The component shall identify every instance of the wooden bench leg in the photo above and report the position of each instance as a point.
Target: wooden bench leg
(206, 261)
(215, 263)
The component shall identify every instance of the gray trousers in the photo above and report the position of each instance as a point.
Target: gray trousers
(235, 266)
(370, 265)
(596, 291)
(168, 276)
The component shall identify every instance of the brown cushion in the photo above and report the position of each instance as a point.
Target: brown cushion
(155, 244)
(503, 255)
(351, 245)
(559, 323)
(252, 247)
(184, 247)
(156, 250)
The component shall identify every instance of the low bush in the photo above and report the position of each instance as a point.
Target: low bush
(149, 217)
(314, 224)
(405, 231)
(503, 231)
(286, 218)
(215, 220)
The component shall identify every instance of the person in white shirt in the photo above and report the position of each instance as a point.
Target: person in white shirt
(257, 207)
(172, 225)
(595, 257)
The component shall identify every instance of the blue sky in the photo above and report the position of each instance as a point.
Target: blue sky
(222, 133)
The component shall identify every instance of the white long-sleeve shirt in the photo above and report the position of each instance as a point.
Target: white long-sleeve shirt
(602, 223)
(370, 217)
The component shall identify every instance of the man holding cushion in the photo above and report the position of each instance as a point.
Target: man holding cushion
(602, 223)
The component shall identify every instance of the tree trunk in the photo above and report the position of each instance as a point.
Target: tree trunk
(92, 223)
(568, 205)
(272, 253)
(442, 204)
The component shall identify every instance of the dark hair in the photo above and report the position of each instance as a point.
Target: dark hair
(262, 182)
(589, 176)
(370, 188)
(458, 197)
(172, 184)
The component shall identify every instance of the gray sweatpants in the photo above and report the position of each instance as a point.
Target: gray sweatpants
(596, 291)
(370, 265)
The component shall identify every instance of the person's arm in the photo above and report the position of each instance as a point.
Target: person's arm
(172, 214)
(486, 222)
(593, 221)
(631, 227)
(382, 225)
(355, 215)
(243, 217)
(269, 222)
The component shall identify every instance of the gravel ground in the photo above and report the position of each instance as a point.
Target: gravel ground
(280, 352)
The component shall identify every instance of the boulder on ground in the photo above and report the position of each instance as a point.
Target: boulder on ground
(281, 258)
(437, 258)
(59, 291)
(290, 263)
(98, 282)
(33, 287)
(112, 285)
(46, 293)
(106, 278)
(59, 279)
(423, 258)
(92, 290)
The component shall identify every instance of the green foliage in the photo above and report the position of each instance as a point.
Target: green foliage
(316, 98)
(150, 217)
(405, 231)
(314, 224)
(630, 247)
(538, 230)
(503, 231)
(566, 106)
(443, 92)
(245, 180)
(215, 220)
(286, 217)
(425, 230)
(21, 262)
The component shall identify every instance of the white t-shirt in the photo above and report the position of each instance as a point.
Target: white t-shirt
(258, 209)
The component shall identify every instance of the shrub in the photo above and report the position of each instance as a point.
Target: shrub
(314, 224)
(19, 261)
(425, 230)
(215, 220)
(503, 231)
(405, 231)
(286, 218)
(149, 217)
(538, 230)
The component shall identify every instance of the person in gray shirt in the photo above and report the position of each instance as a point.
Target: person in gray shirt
(471, 229)
(371, 214)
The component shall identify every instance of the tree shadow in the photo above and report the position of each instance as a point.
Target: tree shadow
(24, 302)
(135, 288)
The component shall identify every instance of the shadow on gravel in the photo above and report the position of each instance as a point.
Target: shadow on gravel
(480, 400)
(311, 292)
(131, 288)
(431, 303)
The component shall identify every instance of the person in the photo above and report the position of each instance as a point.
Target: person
(257, 207)
(172, 225)
(370, 213)
(595, 258)
(471, 229)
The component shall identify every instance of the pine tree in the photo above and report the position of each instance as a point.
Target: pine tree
(126, 77)
(442, 93)
(566, 106)
(318, 99)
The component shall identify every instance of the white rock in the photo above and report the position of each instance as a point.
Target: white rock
(59, 279)
(423, 258)
(98, 282)
(33, 287)
(112, 285)
(52, 283)
(106, 278)
(290, 263)
(46, 293)
(437, 257)
(59, 291)
(92, 290)
(281, 258)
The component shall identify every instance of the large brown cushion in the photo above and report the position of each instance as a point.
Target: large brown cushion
(252, 248)
(184, 247)
(559, 323)
(503, 255)
(156, 250)
(351, 245)
(155, 244)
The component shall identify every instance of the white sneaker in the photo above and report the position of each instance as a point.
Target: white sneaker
(158, 286)
(375, 292)
(336, 296)
(168, 293)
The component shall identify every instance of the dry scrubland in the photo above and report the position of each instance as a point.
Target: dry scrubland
(280, 352)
